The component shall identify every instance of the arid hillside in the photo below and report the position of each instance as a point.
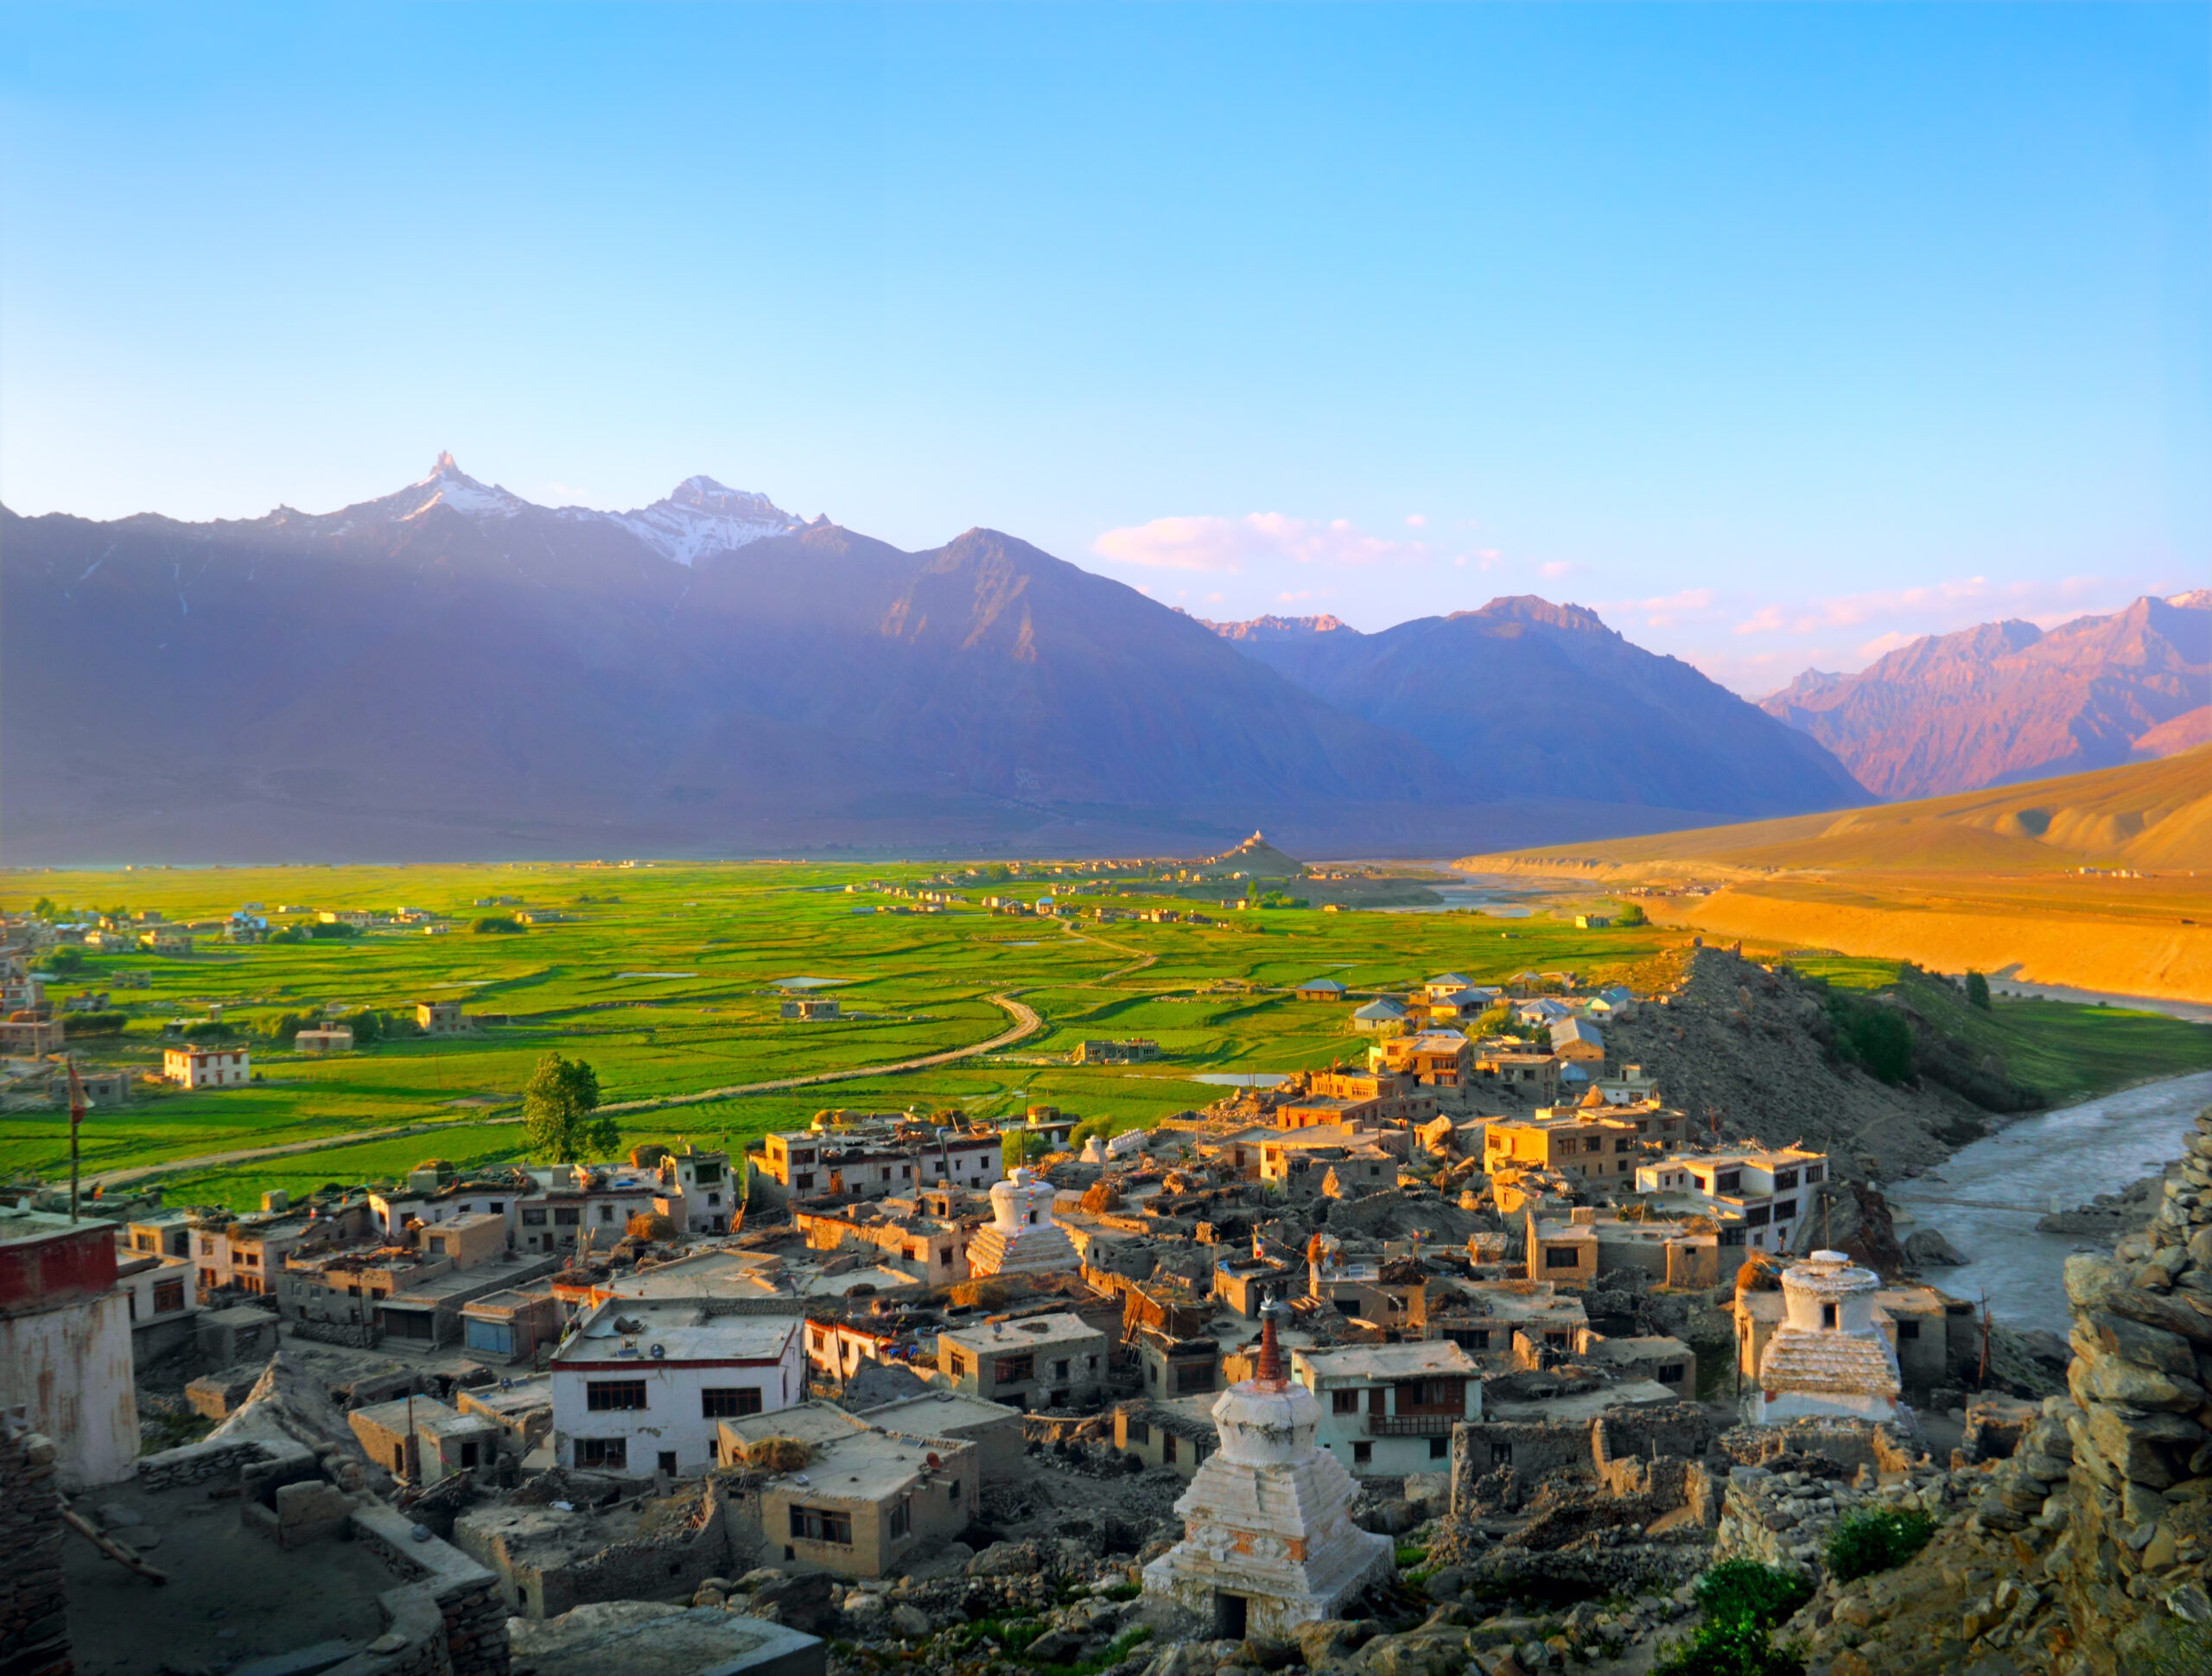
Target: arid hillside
(1993, 880)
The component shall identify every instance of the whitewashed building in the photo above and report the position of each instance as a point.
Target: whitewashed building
(642, 1384)
(1387, 1410)
(1830, 1357)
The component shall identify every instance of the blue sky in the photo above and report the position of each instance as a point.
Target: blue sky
(1780, 334)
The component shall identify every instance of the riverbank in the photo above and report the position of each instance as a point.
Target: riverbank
(1987, 1197)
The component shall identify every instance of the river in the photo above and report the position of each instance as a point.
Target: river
(1985, 1198)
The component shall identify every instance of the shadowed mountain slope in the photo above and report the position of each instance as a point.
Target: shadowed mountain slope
(1546, 699)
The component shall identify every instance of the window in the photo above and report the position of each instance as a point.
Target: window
(1136, 1431)
(902, 1517)
(1905, 1329)
(1828, 1315)
(1784, 1180)
(1343, 1402)
(1501, 1455)
(804, 1178)
(961, 1367)
(1670, 1373)
(1193, 1377)
(533, 1219)
(1728, 1181)
(567, 1215)
(1561, 1257)
(1012, 1370)
(1755, 1216)
(728, 1402)
(606, 1213)
(1363, 1454)
(1732, 1235)
(821, 1525)
(1439, 1449)
(601, 1395)
(1060, 1370)
(170, 1295)
(612, 1453)
(1167, 1448)
(944, 1253)
(1784, 1210)
(1814, 1173)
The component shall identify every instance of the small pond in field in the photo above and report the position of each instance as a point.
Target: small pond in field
(805, 983)
(1240, 1079)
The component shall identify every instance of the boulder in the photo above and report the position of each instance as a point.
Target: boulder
(1926, 1249)
(804, 1603)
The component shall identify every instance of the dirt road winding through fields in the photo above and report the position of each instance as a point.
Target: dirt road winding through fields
(1026, 1024)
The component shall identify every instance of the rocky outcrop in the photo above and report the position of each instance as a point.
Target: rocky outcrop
(2138, 1549)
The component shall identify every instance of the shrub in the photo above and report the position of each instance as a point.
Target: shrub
(66, 959)
(1410, 1555)
(495, 925)
(1729, 1649)
(1632, 914)
(1978, 991)
(1742, 1602)
(1872, 1036)
(1745, 1588)
(1874, 1540)
(108, 1022)
(323, 930)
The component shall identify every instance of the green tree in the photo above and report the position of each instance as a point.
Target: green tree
(557, 1103)
(45, 908)
(1631, 913)
(1978, 991)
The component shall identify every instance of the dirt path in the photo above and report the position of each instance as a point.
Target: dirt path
(1026, 1025)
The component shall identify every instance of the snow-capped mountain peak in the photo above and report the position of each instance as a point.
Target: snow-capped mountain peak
(448, 485)
(701, 515)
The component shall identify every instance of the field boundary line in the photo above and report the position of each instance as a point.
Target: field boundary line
(1026, 1025)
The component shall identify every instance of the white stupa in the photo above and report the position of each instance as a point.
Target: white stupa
(1267, 1539)
(1022, 1239)
(1828, 1356)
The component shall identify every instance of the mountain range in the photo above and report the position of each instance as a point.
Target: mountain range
(2007, 702)
(452, 672)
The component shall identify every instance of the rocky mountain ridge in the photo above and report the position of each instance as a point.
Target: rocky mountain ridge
(451, 671)
(2007, 702)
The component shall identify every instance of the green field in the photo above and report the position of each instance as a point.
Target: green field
(663, 978)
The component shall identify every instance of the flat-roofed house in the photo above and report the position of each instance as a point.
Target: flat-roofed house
(1387, 1410)
(871, 1501)
(643, 1383)
(1039, 1362)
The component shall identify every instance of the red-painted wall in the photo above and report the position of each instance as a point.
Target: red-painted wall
(45, 1268)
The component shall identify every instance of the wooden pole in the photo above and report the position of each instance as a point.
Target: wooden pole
(76, 1121)
(114, 1550)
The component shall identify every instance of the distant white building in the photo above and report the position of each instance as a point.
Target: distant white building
(644, 1383)
(1022, 1237)
(193, 1066)
(1387, 1410)
(1829, 1356)
(1764, 1193)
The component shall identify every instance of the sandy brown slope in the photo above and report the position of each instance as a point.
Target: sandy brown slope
(1989, 879)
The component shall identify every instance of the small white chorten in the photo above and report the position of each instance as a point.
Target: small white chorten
(1828, 1356)
(1022, 1239)
(1094, 1150)
(1267, 1539)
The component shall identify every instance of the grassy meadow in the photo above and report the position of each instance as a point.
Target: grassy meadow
(665, 979)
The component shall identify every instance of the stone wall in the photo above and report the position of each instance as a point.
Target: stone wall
(2136, 1551)
(359, 1335)
(1534, 1450)
(33, 1610)
(446, 1618)
(721, 1537)
(195, 1463)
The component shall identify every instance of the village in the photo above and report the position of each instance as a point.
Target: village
(1471, 1350)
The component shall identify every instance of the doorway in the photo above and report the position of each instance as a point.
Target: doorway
(1228, 1616)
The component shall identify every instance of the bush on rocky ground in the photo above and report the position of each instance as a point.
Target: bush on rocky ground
(1873, 1539)
(1742, 1602)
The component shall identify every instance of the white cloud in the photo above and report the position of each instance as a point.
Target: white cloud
(1557, 568)
(1415, 521)
(1231, 545)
